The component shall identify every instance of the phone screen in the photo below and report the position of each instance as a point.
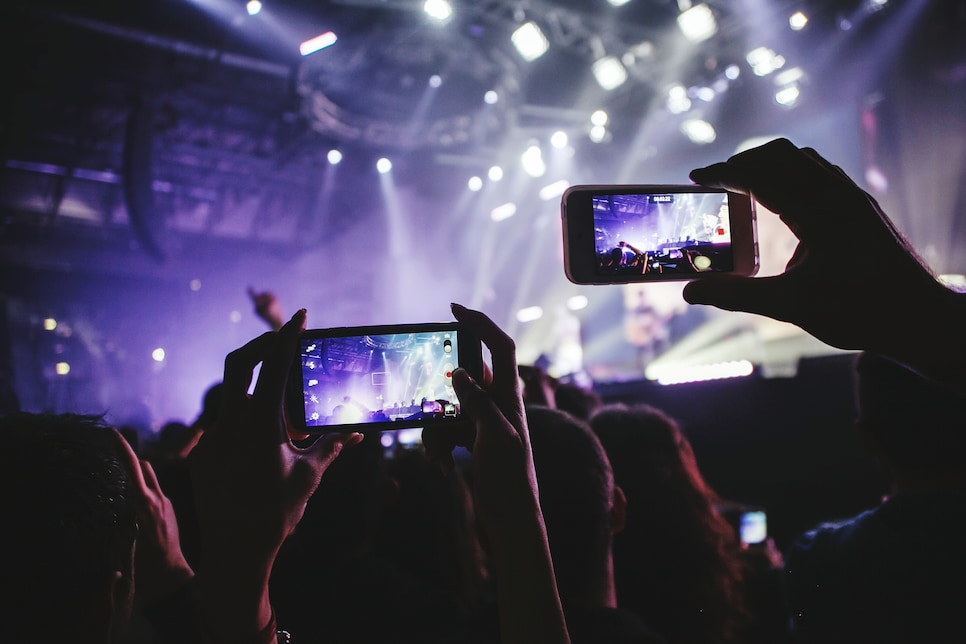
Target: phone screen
(381, 380)
(662, 233)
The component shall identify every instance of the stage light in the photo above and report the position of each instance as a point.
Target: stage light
(698, 23)
(235, 317)
(701, 373)
(577, 302)
(334, 157)
(789, 76)
(253, 7)
(195, 285)
(618, 3)
(609, 72)
(598, 133)
(475, 184)
(532, 161)
(505, 211)
(559, 139)
(62, 368)
(438, 9)
(158, 355)
(529, 314)
(699, 131)
(553, 190)
(764, 61)
(705, 94)
(797, 21)
(529, 41)
(787, 96)
(491, 97)
(383, 165)
(732, 72)
(495, 173)
(50, 324)
(677, 100)
(598, 118)
(321, 41)
(435, 81)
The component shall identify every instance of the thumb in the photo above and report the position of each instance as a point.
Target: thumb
(761, 295)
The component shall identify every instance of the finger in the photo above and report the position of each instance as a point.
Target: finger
(505, 385)
(720, 175)
(239, 365)
(150, 477)
(329, 446)
(762, 295)
(131, 465)
(478, 405)
(270, 388)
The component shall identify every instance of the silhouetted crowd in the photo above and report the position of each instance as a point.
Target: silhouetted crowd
(549, 517)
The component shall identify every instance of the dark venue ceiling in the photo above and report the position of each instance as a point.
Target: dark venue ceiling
(154, 144)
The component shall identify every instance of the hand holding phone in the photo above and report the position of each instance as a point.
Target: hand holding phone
(625, 234)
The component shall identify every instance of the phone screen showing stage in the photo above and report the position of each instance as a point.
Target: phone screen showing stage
(673, 233)
(398, 378)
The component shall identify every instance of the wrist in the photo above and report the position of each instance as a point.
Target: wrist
(934, 345)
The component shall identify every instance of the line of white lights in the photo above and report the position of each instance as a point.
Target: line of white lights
(675, 375)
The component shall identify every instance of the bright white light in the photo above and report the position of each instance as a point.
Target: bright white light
(50, 324)
(530, 42)
(312, 382)
(698, 23)
(505, 211)
(475, 184)
(954, 281)
(577, 302)
(732, 72)
(491, 97)
(609, 72)
(386, 440)
(764, 61)
(677, 100)
(787, 96)
(195, 285)
(529, 314)
(598, 118)
(495, 173)
(253, 7)
(554, 190)
(158, 355)
(532, 161)
(705, 94)
(618, 3)
(334, 156)
(797, 21)
(698, 131)
(789, 76)
(321, 41)
(701, 373)
(559, 139)
(438, 9)
(235, 316)
(598, 133)
(62, 368)
(383, 165)
(435, 81)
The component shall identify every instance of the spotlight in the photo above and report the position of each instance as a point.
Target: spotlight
(62, 368)
(797, 21)
(698, 131)
(505, 211)
(532, 161)
(475, 184)
(787, 96)
(553, 190)
(764, 61)
(438, 9)
(609, 72)
(321, 41)
(50, 324)
(235, 317)
(559, 139)
(529, 314)
(491, 97)
(383, 165)
(577, 302)
(334, 157)
(435, 81)
(618, 3)
(158, 355)
(732, 72)
(598, 133)
(789, 76)
(253, 7)
(697, 23)
(677, 100)
(529, 41)
(495, 173)
(195, 285)
(702, 372)
(599, 118)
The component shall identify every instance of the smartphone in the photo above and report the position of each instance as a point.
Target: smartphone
(753, 527)
(377, 378)
(622, 234)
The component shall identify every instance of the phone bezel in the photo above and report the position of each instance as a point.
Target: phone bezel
(469, 355)
(580, 253)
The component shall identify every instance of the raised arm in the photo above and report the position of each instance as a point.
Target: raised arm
(853, 282)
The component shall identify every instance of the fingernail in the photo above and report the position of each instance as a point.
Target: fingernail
(299, 313)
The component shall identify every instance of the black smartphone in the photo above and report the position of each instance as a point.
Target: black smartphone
(379, 378)
(622, 234)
